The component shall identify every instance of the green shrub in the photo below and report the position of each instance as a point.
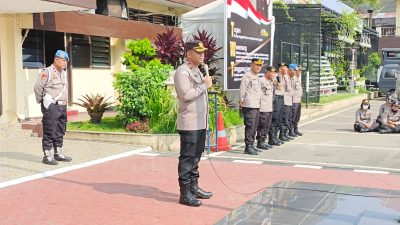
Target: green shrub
(139, 54)
(137, 88)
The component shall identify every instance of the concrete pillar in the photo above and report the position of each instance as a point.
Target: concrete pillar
(397, 17)
(11, 69)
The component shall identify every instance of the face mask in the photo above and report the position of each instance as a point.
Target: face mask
(365, 106)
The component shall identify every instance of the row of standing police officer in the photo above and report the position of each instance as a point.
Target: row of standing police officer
(270, 105)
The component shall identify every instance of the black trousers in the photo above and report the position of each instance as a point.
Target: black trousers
(286, 122)
(264, 125)
(396, 129)
(54, 126)
(277, 113)
(296, 113)
(251, 117)
(374, 127)
(192, 147)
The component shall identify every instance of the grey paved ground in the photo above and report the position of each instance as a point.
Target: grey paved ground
(22, 155)
(330, 141)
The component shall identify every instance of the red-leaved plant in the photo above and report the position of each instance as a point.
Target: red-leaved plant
(169, 48)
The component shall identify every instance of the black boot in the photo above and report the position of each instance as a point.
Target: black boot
(285, 133)
(48, 159)
(250, 150)
(198, 192)
(262, 145)
(282, 136)
(59, 156)
(272, 140)
(277, 138)
(187, 197)
(292, 133)
(296, 130)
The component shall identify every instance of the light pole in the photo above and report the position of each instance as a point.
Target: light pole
(352, 67)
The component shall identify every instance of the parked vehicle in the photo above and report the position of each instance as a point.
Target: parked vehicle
(387, 79)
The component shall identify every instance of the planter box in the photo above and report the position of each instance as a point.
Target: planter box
(159, 142)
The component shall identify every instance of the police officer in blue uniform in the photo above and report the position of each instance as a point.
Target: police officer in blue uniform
(51, 92)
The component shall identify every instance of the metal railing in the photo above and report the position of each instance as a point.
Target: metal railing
(389, 31)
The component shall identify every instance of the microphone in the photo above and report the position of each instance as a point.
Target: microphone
(278, 78)
(205, 66)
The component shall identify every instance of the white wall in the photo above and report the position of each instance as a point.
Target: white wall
(87, 81)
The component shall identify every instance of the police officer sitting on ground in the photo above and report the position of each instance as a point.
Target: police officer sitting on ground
(191, 88)
(266, 107)
(385, 107)
(51, 92)
(364, 122)
(250, 101)
(391, 120)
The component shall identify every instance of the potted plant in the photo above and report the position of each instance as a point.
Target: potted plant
(95, 105)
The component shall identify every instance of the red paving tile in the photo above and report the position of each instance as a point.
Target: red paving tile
(144, 190)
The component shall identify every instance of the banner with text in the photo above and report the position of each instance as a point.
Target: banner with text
(249, 35)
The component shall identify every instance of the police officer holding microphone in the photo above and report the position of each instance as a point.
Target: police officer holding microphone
(51, 92)
(191, 89)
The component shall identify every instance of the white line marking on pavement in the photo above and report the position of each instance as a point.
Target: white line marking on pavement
(350, 132)
(71, 168)
(239, 146)
(334, 123)
(345, 146)
(203, 158)
(333, 165)
(216, 153)
(247, 161)
(308, 166)
(371, 171)
(148, 154)
(321, 118)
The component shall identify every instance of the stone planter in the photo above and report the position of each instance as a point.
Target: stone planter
(159, 142)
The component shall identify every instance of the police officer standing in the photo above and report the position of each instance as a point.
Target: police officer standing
(51, 92)
(250, 100)
(296, 108)
(287, 103)
(278, 107)
(266, 107)
(191, 89)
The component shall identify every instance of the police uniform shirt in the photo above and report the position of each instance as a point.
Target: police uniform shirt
(288, 92)
(363, 117)
(192, 98)
(267, 97)
(250, 90)
(384, 108)
(52, 84)
(297, 90)
(390, 116)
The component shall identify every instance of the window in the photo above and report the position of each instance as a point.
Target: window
(390, 73)
(32, 48)
(100, 52)
(80, 51)
(90, 51)
(115, 8)
(145, 16)
(39, 47)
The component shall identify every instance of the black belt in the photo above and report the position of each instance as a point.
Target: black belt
(278, 96)
(61, 103)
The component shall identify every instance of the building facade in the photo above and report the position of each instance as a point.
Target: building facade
(94, 33)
